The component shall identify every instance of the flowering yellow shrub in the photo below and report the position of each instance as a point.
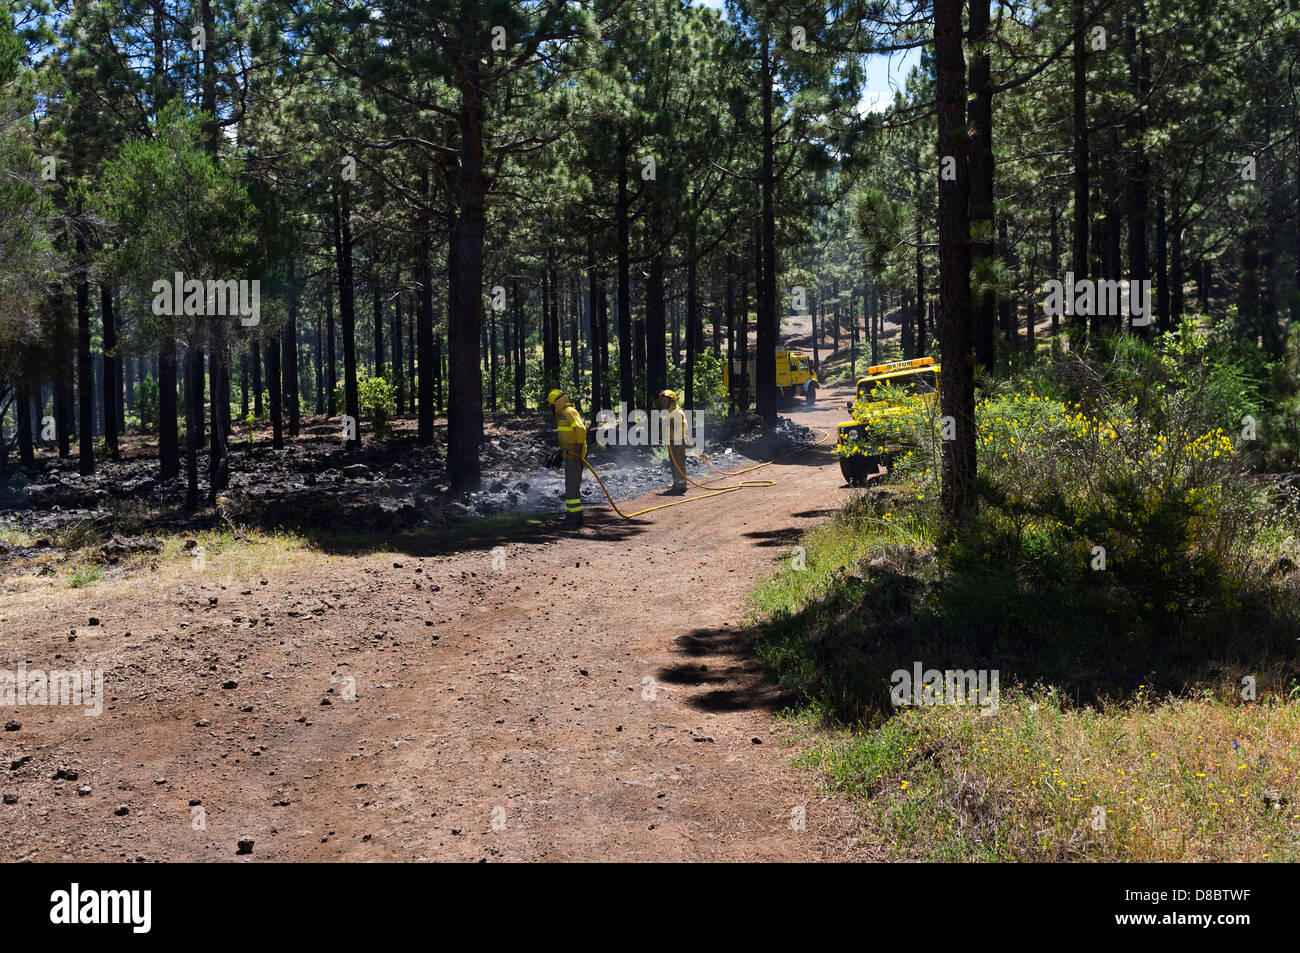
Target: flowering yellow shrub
(1090, 495)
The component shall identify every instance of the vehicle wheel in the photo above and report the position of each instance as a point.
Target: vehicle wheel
(856, 469)
(846, 470)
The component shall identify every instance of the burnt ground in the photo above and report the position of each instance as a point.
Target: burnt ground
(380, 487)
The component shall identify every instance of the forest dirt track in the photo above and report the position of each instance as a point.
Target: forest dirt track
(591, 698)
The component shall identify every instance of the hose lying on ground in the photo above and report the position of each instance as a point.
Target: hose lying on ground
(713, 490)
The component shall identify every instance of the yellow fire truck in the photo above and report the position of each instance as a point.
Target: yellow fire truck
(795, 376)
(862, 451)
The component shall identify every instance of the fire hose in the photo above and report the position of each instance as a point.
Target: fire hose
(712, 490)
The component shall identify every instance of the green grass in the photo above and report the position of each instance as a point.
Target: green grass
(1087, 758)
(1168, 780)
(83, 575)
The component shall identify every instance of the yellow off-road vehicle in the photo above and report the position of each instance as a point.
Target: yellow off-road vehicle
(861, 448)
(794, 376)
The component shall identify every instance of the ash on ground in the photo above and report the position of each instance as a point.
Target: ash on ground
(380, 487)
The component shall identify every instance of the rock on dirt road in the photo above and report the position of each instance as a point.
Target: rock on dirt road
(585, 696)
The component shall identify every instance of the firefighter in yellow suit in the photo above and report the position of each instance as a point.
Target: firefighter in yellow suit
(676, 441)
(572, 434)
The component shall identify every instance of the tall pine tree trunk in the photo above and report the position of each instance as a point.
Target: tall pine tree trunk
(398, 376)
(218, 461)
(816, 332)
(427, 369)
(625, 371)
(981, 180)
(521, 367)
(255, 359)
(331, 351)
(289, 359)
(1176, 276)
(193, 422)
(61, 358)
(920, 260)
(169, 452)
(1140, 170)
(23, 423)
(692, 319)
(655, 331)
(1162, 266)
(437, 375)
(957, 495)
(575, 352)
(765, 370)
(464, 375)
(274, 392)
(121, 366)
(594, 327)
(1079, 239)
(377, 293)
(746, 381)
(85, 375)
(319, 374)
(347, 309)
(730, 312)
(110, 370)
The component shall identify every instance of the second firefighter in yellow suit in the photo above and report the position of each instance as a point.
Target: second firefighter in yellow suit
(572, 434)
(676, 441)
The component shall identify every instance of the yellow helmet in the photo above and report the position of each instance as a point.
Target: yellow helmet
(553, 396)
(669, 395)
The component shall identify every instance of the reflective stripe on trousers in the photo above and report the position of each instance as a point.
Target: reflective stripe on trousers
(573, 484)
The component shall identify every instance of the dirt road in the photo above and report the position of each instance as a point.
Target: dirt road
(563, 697)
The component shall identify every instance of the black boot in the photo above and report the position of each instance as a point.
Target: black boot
(573, 519)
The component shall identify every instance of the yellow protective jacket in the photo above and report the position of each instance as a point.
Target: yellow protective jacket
(676, 424)
(569, 427)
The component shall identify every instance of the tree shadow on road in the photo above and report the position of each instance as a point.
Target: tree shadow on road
(720, 661)
(775, 537)
(476, 535)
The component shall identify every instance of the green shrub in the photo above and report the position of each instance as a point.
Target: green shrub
(505, 381)
(378, 401)
(1143, 508)
(1121, 487)
(1278, 446)
(83, 575)
(146, 402)
(709, 391)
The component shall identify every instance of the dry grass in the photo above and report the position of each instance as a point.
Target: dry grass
(1177, 780)
(63, 579)
(71, 571)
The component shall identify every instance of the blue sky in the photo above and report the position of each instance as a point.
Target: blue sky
(884, 73)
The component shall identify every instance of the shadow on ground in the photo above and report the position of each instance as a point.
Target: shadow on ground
(721, 663)
(894, 613)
